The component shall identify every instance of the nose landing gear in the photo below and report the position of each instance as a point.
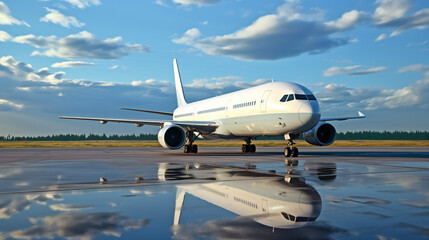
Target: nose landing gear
(290, 150)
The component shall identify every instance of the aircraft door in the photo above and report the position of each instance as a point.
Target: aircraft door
(265, 208)
(227, 108)
(264, 100)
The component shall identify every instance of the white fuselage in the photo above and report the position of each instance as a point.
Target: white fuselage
(264, 201)
(256, 111)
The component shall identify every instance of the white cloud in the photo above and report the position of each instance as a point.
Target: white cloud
(36, 89)
(27, 89)
(339, 70)
(4, 102)
(390, 10)
(352, 70)
(68, 207)
(78, 226)
(4, 36)
(188, 36)
(197, 2)
(56, 17)
(83, 3)
(335, 96)
(284, 34)
(381, 37)
(161, 3)
(70, 64)
(347, 20)
(25, 72)
(369, 71)
(80, 45)
(162, 85)
(7, 19)
(215, 83)
(414, 68)
(38, 42)
(393, 14)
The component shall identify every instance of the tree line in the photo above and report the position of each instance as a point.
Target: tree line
(360, 135)
(385, 135)
(80, 137)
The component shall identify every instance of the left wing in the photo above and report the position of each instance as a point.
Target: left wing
(148, 111)
(361, 115)
(200, 126)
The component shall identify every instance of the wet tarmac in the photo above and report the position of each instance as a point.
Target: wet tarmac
(152, 193)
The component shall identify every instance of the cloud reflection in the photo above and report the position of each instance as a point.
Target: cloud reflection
(78, 226)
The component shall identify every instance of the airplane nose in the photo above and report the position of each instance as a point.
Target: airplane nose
(309, 114)
(310, 203)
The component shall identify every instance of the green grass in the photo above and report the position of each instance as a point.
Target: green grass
(211, 143)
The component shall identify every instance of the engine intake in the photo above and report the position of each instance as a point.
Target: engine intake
(172, 136)
(322, 134)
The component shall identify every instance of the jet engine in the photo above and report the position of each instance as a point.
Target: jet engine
(172, 136)
(322, 134)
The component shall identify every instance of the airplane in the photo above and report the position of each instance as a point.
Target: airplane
(271, 109)
(268, 198)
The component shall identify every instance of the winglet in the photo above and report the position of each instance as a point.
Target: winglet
(178, 82)
(361, 114)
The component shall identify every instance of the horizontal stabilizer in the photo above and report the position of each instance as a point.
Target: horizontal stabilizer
(361, 115)
(148, 111)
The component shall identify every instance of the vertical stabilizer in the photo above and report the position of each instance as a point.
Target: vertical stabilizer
(180, 197)
(178, 82)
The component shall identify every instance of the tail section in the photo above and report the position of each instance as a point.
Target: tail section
(179, 88)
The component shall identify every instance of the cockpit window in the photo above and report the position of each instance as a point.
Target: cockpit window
(285, 215)
(284, 98)
(290, 98)
(311, 97)
(300, 97)
(301, 219)
(289, 217)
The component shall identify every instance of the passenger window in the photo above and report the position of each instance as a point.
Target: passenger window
(300, 97)
(283, 99)
(290, 98)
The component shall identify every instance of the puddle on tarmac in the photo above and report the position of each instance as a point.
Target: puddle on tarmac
(299, 199)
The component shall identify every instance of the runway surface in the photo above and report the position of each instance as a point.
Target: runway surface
(325, 193)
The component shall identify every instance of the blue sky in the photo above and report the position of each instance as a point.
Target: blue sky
(91, 57)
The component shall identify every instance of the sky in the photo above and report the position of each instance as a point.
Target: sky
(91, 57)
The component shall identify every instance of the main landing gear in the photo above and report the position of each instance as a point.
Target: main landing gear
(248, 147)
(189, 147)
(290, 150)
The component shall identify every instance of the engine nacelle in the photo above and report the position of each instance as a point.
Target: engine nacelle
(322, 134)
(172, 136)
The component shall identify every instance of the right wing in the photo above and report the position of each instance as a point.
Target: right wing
(199, 126)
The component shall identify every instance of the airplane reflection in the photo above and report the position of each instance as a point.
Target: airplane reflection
(267, 198)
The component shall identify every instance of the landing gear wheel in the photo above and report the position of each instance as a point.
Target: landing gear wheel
(186, 149)
(288, 152)
(252, 148)
(244, 148)
(194, 148)
(295, 152)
